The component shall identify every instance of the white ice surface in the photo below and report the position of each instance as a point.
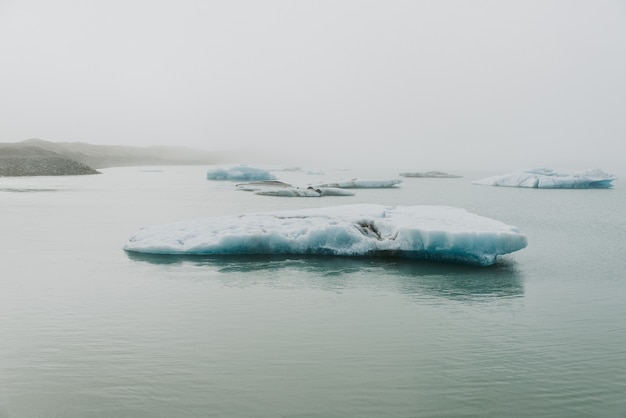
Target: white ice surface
(239, 173)
(361, 184)
(262, 185)
(278, 188)
(543, 178)
(303, 192)
(422, 232)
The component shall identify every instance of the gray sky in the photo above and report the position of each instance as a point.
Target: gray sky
(419, 84)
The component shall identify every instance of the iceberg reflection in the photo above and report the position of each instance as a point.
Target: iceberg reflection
(416, 279)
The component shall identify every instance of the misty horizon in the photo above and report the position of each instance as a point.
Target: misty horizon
(417, 85)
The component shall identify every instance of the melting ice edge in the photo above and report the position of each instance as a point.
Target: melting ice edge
(422, 232)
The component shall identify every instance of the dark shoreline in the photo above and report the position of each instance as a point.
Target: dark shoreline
(35, 157)
(42, 166)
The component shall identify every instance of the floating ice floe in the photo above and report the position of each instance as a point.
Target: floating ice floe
(262, 185)
(239, 173)
(278, 188)
(430, 175)
(289, 192)
(361, 184)
(422, 232)
(545, 178)
(308, 192)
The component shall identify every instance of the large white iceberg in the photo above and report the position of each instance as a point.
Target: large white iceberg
(545, 178)
(421, 232)
(239, 173)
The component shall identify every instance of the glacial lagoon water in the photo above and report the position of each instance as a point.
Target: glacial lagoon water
(88, 330)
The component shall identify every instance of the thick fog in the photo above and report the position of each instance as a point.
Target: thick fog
(417, 84)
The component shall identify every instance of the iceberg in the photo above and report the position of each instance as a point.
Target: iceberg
(308, 192)
(430, 175)
(279, 188)
(289, 192)
(361, 184)
(545, 178)
(240, 173)
(440, 233)
(261, 185)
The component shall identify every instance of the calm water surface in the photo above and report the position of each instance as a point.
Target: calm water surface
(88, 330)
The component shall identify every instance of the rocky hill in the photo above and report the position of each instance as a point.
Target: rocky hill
(35, 157)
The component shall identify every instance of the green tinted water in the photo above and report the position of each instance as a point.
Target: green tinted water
(88, 330)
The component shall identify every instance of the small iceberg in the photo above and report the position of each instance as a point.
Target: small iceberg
(430, 175)
(289, 192)
(420, 232)
(279, 188)
(308, 192)
(262, 185)
(545, 178)
(240, 173)
(362, 184)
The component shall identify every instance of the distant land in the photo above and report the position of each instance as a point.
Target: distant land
(35, 157)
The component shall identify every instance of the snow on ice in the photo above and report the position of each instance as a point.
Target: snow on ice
(422, 232)
(545, 178)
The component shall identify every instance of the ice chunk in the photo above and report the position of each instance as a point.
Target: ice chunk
(334, 191)
(278, 188)
(240, 173)
(289, 192)
(430, 175)
(361, 184)
(299, 192)
(261, 185)
(422, 232)
(545, 178)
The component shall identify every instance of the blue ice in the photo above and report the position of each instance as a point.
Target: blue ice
(240, 173)
(422, 232)
(544, 178)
